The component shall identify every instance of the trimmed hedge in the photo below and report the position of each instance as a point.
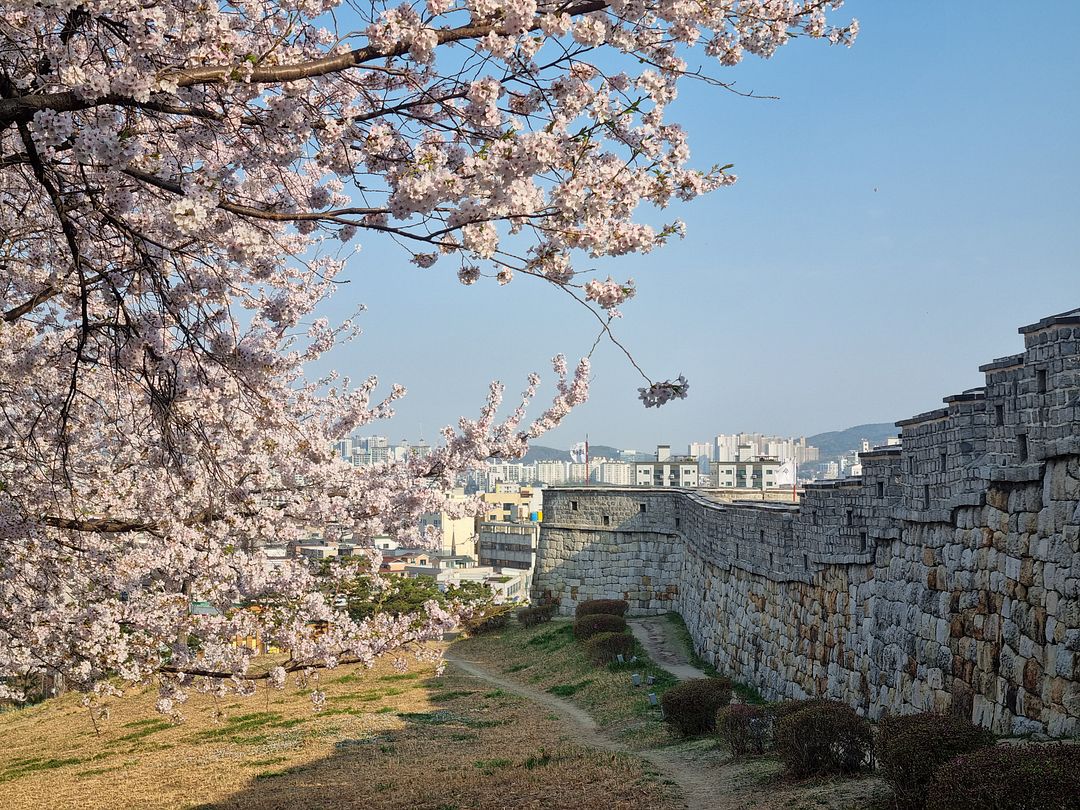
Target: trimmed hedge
(745, 728)
(593, 623)
(609, 607)
(1008, 777)
(691, 706)
(822, 737)
(603, 647)
(538, 614)
(912, 747)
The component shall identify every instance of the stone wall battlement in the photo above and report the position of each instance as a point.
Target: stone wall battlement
(946, 577)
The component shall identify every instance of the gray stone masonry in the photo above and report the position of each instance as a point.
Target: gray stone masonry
(946, 577)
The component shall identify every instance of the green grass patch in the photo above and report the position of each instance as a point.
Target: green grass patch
(553, 639)
(143, 728)
(236, 729)
(352, 677)
(18, 768)
(369, 696)
(403, 676)
(568, 689)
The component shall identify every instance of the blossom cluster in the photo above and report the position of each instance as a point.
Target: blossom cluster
(660, 393)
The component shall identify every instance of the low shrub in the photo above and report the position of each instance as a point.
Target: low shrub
(691, 706)
(822, 737)
(603, 647)
(538, 614)
(610, 607)
(912, 747)
(745, 728)
(487, 622)
(1007, 777)
(593, 623)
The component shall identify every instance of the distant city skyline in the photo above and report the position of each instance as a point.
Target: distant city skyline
(900, 210)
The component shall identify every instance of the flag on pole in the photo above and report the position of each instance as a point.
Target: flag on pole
(578, 452)
(785, 474)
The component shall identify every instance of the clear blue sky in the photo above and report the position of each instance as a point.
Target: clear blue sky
(900, 211)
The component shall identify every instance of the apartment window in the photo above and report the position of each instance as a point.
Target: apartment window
(926, 496)
(881, 489)
(607, 520)
(573, 506)
(1040, 380)
(1022, 446)
(999, 415)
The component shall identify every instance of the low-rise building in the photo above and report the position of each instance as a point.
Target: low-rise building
(507, 545)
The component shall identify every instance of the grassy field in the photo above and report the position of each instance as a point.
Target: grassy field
(547, 657)
(386, 739)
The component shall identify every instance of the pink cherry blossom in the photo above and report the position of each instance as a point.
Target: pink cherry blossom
(181, 189)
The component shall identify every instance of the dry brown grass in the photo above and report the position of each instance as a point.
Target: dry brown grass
(385, 741)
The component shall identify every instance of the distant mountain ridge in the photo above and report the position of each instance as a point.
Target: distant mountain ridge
(836, 443)
(538, 452)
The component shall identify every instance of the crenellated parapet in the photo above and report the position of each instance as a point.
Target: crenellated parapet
(945, 577)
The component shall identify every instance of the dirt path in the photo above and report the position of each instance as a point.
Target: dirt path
(695, 780)
(657, 636)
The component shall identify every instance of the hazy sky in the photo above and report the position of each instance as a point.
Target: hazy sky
(900, 211)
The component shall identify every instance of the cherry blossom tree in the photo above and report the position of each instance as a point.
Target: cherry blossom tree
(181, 183)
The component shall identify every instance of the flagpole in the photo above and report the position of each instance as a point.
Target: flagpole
(586, 459)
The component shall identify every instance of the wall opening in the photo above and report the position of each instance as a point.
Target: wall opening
(573, 506)
(641, 507)
(848, 519)
(925, 496)
(677, 523)
(862, 541)
(999, 415)
(881, 489)
(944, 463)
(1040, 380)
(1022, 446)
(607, 520)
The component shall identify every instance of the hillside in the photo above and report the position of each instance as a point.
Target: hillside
(838, 442)
(385, 740)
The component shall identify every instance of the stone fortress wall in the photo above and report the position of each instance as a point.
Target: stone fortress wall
(946, 577)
